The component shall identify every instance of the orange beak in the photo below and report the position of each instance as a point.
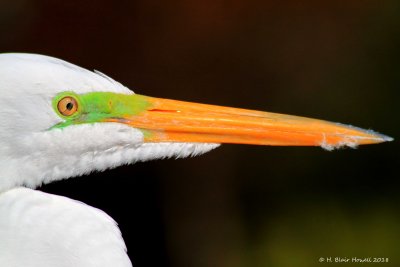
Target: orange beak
(177, 121)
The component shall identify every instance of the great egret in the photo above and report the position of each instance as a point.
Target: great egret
(59, 121)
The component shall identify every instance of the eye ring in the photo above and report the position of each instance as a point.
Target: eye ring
(67, 106)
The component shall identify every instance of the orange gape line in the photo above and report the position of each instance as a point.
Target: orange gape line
(177, 121)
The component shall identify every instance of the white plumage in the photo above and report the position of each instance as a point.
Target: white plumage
(39, 229)
(42, 230)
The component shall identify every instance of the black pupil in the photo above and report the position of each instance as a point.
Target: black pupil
(70, 106)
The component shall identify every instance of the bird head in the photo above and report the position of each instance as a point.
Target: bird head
(59, 120)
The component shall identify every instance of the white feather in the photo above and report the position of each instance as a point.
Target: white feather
(44, 230)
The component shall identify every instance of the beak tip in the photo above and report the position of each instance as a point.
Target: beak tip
(386, 138)
(356, 137)
(379, 138)
(369, 136)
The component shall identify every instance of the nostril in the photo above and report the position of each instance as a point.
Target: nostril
(165, 110)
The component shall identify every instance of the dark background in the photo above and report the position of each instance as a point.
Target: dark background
(240, 205)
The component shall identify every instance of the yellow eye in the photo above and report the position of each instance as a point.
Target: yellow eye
(67, 106)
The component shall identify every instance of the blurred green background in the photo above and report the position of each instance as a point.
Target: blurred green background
(241, 205)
